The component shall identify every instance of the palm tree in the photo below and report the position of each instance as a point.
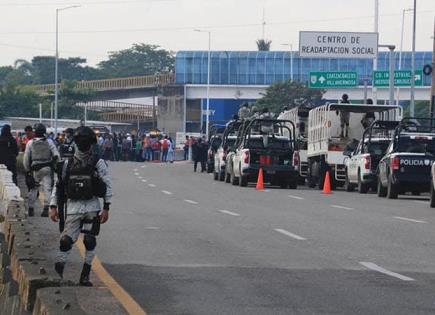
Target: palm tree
(263, 44)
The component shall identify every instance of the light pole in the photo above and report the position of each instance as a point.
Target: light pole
(401, 48)
(56, 67)
(375, 61)
(207, 114)
(291, 59)
(414, 26)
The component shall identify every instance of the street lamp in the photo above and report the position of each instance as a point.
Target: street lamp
(56, 68)
(291, 58)
(412, 103)
(207, 115)
(375, 60)
(401, 47)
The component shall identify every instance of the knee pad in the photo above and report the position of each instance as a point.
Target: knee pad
(66, 243)
(90, 242)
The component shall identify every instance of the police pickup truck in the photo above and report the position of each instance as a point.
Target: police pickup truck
(362, 164)
(407, 163)
(214, 141)
(268, 144)
(228, 145)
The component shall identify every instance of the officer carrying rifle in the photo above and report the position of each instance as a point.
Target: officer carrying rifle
(83, 180)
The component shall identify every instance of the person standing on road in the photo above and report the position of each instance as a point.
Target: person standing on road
(66, 148)
(39, 160)
(165, 149)
(186, 148)
(171, 151)
(28, 130)
(199, 155)
(85, 179)
(9, 151)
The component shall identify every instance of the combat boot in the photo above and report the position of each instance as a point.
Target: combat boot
(59, 267)
(31, 212)
(84, 277)
(44, 213)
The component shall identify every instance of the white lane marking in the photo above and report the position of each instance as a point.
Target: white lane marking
(230, 213)
(151, 185)
(137, 174)
(166, 192)
(135, 170)
(296, 197)
(144, 180)
(190, 201)
(342, 207)
(143, 166)
(140, 177)
(421, 201)
(377, 268)
(296, 237)
(410, 220)
(152, 228)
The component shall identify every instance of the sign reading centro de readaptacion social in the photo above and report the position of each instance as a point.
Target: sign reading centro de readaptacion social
(338, 45)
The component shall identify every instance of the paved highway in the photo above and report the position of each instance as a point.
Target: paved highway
(181, 243)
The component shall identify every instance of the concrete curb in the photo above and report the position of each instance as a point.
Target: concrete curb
(28, 282)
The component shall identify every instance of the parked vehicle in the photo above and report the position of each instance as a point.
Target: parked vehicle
(362, 164)
(268, 144)
(229, 139)
(406, 166)
(299, 115)
(214, 141)
(331, 128)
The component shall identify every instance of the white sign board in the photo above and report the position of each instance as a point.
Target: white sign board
(338, 45)
(180, 137)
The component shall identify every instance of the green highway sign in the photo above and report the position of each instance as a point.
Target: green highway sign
(401, 78)
(333, 80)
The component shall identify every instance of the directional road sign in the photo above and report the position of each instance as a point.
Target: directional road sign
(333, 80)
(401, 78)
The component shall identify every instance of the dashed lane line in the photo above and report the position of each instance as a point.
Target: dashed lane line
(166, 192)
(296, 197)
(409, 220)
(230, 213)
(377, 268)
(191, 201)
(289, 234)
(342, 207)
(129, 304)
(151, 185)
(144, 180)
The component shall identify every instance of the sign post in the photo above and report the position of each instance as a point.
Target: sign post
(333, 80)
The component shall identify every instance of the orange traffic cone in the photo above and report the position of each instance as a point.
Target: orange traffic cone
(260, 182)
(327, 185)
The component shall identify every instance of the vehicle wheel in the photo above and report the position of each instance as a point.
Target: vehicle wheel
(221, 176)
(347, 185)
(283, 183)
(382, 191)
(432, 196)
(293, 184)
(215, 176)
(391, 190)
(363, 188)
(321, 180)
(311, 181)
(234, 179)
(227, 176)
(243, 181)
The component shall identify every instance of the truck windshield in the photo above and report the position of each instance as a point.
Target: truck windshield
(417, 144)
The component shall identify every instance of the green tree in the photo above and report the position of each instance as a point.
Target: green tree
(4, 72)
(15, 102)
(285, 93)
(140, 59)
(263, 44)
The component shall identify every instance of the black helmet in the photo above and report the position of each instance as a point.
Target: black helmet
(40, 130)
(84, 138)
(69, 131)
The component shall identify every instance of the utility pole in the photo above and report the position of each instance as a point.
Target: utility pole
(375, 61)
(414, 23)
(432, 99)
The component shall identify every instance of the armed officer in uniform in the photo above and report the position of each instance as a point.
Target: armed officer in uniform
(85, 179)
(66, 148)
(39, 160)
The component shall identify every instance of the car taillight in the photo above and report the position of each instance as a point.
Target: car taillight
(395, 163)
(367, 162)
(246, 157)
(296, 159)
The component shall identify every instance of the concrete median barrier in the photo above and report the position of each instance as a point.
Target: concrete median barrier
(28, 282)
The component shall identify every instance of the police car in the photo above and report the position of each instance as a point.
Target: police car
(264, 145)
(406, 166)
(214, 141)
(362, 163)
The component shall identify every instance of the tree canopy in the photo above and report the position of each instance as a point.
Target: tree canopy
(264, 44)
(285, 93)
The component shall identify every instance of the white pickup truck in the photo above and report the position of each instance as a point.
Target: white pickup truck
(267, 144)
(362, 164)
(327, 141)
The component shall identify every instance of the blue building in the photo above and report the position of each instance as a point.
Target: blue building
(264, 68)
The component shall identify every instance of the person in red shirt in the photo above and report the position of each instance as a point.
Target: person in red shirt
(165, 148)
(29, 136)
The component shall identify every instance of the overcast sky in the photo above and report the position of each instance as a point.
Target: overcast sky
(99, 26)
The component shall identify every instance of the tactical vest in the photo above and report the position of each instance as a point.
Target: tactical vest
(82, 181)
(41, 153)
(67, 150)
